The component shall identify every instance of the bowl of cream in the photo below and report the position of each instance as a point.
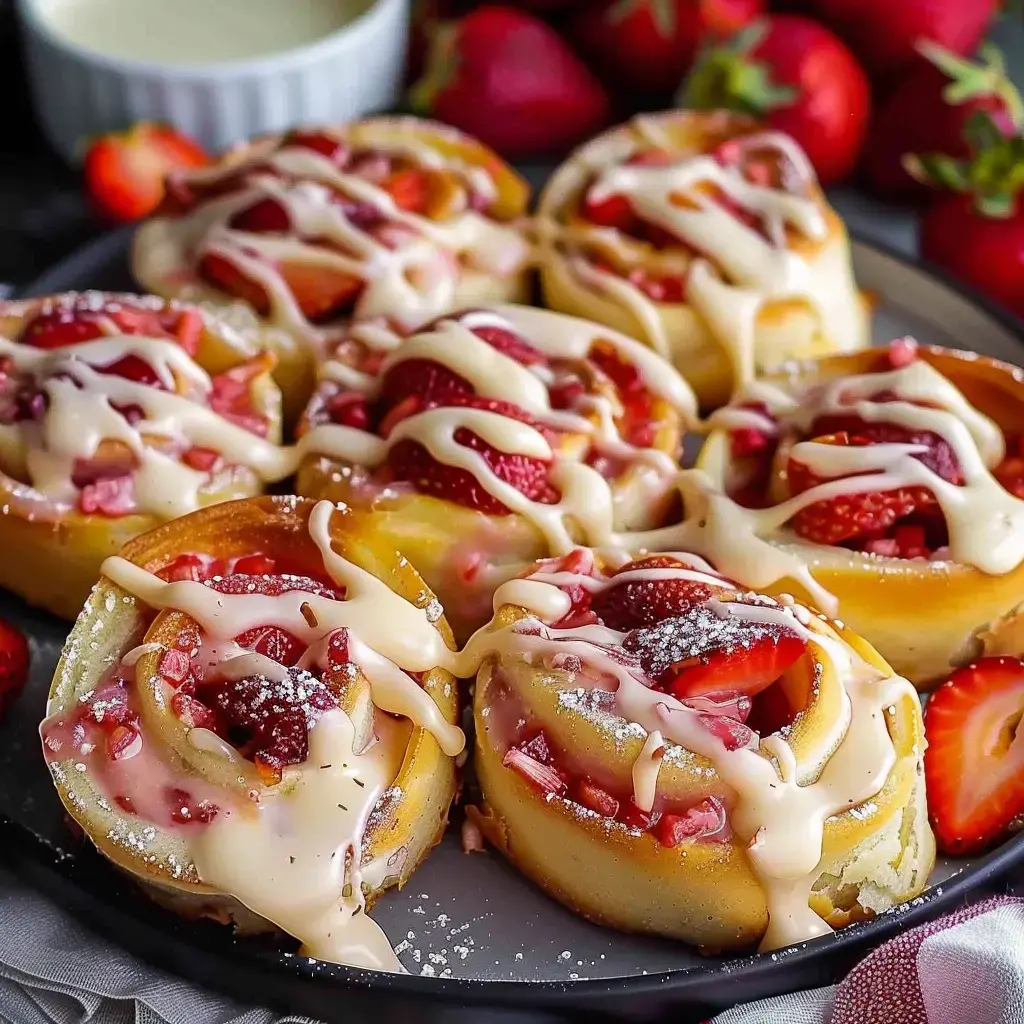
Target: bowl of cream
(220, 70)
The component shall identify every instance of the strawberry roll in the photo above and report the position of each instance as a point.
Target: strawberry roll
(118, 412)
(252, 720)
(708, 238)
(392, 219)
(887, 486)
(666, 752)
(492, 438)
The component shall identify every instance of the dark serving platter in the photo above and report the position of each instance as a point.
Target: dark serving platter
(471, 931)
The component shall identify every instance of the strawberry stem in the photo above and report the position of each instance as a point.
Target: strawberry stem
(726, 76)
(975, 79)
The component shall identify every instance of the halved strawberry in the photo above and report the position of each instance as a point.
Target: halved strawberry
(511, 345)
(228, 277)
(62, 329)
(410, 461)
(974, 762)
(625, 606)
(849, 516)
(422, 379)
(14, 664)
(125, 171)
(700, 652)
(321, 292)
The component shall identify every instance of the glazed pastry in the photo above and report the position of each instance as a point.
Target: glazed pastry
(495, 437)
(706, 237)
(666, 752)
(118, 412)
(392, 219)
(249, 719)
(886, 486)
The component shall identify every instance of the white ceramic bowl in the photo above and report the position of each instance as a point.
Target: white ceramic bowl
(79, 92)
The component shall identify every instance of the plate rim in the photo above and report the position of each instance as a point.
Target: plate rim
(692, 983)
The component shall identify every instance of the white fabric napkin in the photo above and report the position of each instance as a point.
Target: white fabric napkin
(967, 968)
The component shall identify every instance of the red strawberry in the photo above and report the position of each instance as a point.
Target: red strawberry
(978, 235)
(850, 515)
(14, 664)
(226, 276)
(974, 763)
(409, 188)
(410, 461)
(510, 80)
(626, 606)
(511, 345)
(704, 819)
(929, 112)
(423, 379)
(799, 78)
(322, 292)
(698, 652)
(62, 329)
(648, 45)
(266, 216)
(319, 142)
(125, 171)
(885, 34)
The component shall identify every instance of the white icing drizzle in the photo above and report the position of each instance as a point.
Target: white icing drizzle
(411, 269)
(80, 416)
(985, 521)
(646, 769)
(738, 270)
(778, 810)
(294, 856)
(589, 503)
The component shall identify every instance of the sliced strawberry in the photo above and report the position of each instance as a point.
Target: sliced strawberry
(226, 276)
(613, 211)
(62, 328)
(272, 642)
(699, 652)
(422, 379)
(267, 216)
(511, 345)
(349, 409)
(174, 666)
(625, 606)
(666, 288)
(123, 742)
(544, 777)
(191, 567)
(193, 713)
(596, 798)
(849, 516)
(410, 189)
(203, 460)
(134, 368)
(125, 171)
(410, 461)
(14, 664)
(319, 142)
(112, 497)
(974, 761)
(231, 396)
(321, 292)
(704, 819)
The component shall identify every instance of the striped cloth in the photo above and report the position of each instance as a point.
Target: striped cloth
(967, 968)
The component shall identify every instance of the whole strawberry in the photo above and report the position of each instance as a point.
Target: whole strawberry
(509, 79)
(975, 230)
(884, 33)
(14, 661)
(798, 78)
(929, 112)
(648, 45)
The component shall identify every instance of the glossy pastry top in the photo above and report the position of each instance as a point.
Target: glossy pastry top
(882, 454)
(262, 724)
(508, 409)
(380, 219)
(714, 677)
(106, 407)
(704, 210)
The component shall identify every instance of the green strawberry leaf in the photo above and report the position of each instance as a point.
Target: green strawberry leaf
(663, 14)
(970, 80)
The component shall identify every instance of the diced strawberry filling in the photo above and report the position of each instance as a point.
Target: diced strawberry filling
(534, 759)
(112, 497)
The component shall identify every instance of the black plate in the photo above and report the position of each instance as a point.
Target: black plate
(505, 945)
